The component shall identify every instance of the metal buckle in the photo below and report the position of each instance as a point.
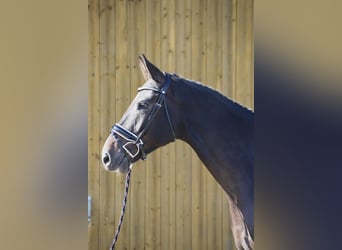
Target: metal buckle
(136, 145)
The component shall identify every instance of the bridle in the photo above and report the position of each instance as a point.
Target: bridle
(136, 140)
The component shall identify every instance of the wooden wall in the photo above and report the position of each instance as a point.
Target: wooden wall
(174, 203)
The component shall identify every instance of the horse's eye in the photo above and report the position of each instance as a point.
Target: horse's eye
(142, 105)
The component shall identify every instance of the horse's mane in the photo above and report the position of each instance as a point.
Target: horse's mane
(232, 105)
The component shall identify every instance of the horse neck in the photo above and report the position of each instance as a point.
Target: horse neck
(221, 137)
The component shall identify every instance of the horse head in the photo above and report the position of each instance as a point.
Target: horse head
(146, 125)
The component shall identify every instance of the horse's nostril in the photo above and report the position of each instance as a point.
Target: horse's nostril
(105, 159)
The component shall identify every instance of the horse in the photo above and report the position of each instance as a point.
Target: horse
(218, 129)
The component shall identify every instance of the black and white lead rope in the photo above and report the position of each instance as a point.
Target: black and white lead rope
(124, 202)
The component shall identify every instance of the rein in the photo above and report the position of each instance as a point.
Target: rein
(124, 202)
(133, 139)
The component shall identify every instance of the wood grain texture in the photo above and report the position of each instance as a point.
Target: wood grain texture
(93, 122)
(107, 217)
(174, 202)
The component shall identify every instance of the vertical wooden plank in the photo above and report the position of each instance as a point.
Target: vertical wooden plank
(172, 154)
(244, 52)
(168, 170)
(93, 121)
(183, 182)
(229, 48)
(137, 202)
(153, 169)
(180, 189)
(123, 99)
(187, 148)
(228, 89)
(214, 201)
(251, 39)
(106, 216)
(167, 167)
(198, 171)
(165, 151)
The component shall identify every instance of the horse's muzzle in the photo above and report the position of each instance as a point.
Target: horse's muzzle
(113, 157)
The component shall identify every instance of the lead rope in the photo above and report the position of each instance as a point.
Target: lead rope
(124, 202)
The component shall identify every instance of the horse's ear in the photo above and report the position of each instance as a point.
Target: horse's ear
(150, 71)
